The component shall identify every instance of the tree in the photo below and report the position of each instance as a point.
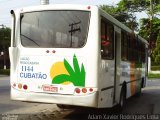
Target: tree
(156, 52)
(5, 37)
(129, 7)
(122, 13)
(149, 27)
(113, 10)
(156, 44)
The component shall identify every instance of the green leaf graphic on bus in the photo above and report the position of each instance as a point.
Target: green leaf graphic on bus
(66, 74)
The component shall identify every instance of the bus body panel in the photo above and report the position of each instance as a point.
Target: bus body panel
(89, 100)
(107, 78)
(35, 72)
(36, 68)
(130, 73)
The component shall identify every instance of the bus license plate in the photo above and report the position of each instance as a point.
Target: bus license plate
(50, 89)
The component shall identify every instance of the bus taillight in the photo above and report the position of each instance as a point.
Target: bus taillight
(20, 86)
(89, 7)
(77, 90)
(91, 89)
(84, 90)
(25, 87)
(14, 85)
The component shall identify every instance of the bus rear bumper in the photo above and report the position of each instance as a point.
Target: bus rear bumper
(89, 100)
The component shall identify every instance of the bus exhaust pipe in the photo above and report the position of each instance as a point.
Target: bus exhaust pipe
(44, 2)
(13, 28)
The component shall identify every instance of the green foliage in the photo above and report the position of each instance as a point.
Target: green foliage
(145, 28)
(149, 29)
(109, 9)
(115, 12)
(122, 14)
(130, 7)
(4, 72)
(157, 8)
(139, 5)
(155, 68)
(5, 37)
(76, 75)
(156, 41)
(156, 51)
(153, 75)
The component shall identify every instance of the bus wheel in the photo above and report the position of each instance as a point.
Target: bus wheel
(61, 106)
(122, 99)
(64, 106)
(138, 94)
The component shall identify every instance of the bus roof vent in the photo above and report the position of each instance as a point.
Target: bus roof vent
(44, 2)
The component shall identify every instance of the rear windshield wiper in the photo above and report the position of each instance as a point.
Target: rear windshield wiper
(30, 39)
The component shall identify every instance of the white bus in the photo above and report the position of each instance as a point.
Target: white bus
(74, 55)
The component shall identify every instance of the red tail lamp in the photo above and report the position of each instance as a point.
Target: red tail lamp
(84, 90)
(91, 89)
(25, 87)
(77, 90)
(89, 7)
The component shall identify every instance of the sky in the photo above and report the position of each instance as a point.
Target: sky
(7, 5)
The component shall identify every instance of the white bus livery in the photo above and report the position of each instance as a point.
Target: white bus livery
(74, 55)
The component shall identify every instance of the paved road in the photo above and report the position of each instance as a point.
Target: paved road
(6, 104)
(17, 107)
(147, 103)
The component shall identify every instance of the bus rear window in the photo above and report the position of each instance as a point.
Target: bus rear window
(54, 29)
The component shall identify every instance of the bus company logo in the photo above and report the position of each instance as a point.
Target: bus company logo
(63, 73)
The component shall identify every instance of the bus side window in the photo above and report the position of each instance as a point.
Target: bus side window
(106, 40)
(124, 46)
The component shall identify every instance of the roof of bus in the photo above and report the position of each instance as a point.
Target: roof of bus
(58, 7)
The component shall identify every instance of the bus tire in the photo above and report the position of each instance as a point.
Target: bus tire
(122, 99)
(61, 106)
(138, 94)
